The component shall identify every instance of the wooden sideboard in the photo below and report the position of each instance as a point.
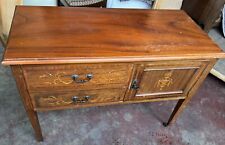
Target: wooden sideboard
(82, 57)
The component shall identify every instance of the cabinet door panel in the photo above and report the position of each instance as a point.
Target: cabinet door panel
(164, 79)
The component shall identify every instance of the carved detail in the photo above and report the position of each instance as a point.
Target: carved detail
(52, 100)
(56, 78)
(166, 81)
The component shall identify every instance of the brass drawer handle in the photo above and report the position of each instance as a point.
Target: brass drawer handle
(75, 78)
(84, 99)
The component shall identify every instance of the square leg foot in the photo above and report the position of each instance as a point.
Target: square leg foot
(165, 124)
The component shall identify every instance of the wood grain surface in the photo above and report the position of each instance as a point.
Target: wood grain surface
(63, 99)
(27, 102)
(165, 78)
(53, 35)
(59, 77)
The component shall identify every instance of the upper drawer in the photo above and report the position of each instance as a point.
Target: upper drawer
(76, 76)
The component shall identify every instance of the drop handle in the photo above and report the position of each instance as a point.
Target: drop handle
(76, 77)
(87, 97)
(77, 99)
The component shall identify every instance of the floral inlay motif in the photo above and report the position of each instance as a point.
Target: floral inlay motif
(53, 100)
(58, 78)
(166, 81)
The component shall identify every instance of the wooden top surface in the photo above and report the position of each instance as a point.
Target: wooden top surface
(44, 35)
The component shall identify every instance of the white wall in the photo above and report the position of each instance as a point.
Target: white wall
(7, 8)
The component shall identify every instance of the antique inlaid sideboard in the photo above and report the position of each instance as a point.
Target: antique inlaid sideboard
(81, 57)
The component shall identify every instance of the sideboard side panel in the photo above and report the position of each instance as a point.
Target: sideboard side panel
(32, 115)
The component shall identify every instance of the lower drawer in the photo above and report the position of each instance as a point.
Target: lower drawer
(66, 99)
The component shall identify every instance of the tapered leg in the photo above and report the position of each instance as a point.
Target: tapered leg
(177, 110)
(32, 115)
(35, 124)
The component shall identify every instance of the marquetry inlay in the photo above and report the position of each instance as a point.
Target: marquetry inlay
(54, 79)
(53, 100)
(166, 81)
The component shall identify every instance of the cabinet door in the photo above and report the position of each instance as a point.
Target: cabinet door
(164, 79)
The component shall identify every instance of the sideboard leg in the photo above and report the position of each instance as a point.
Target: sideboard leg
(21, 84)
(183, 102)
(177, 110)
(35, 124)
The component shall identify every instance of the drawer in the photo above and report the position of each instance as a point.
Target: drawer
(76, 76)
(77, 98)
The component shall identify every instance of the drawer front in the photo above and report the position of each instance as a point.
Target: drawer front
(76, 77)
(169, 79)
(77, 98)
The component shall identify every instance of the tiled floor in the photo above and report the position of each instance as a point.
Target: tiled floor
(202, 123)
